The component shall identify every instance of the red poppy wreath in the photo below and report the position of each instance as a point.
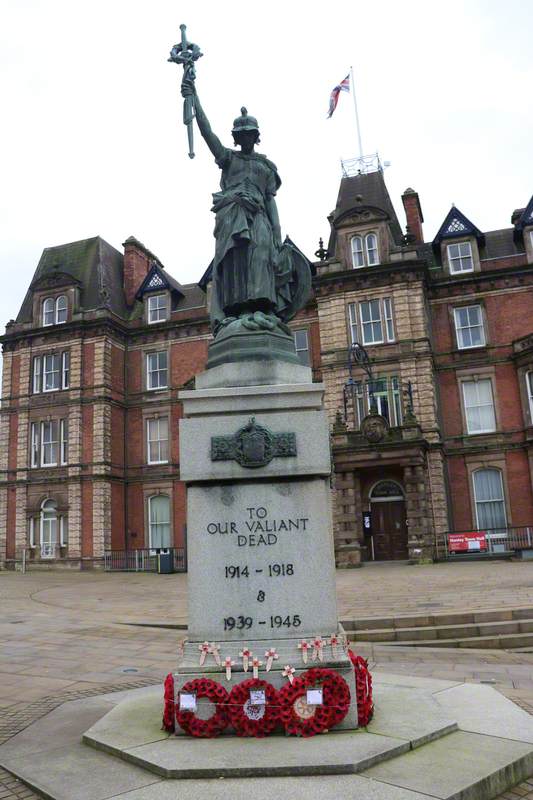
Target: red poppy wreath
(302, 719)
(168, 710)
(253, 720)
(206, 728)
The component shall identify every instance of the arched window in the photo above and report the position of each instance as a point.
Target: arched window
(371, 243)
(61, 309)
(357, 252)
(48, 311)
(159, 521)
(49, 529)
(385, 491)
(490, 499)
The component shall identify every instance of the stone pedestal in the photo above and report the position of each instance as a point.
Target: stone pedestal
(254, 452)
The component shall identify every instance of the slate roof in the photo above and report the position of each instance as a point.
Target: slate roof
(93, 264)
(502, 243)
(367, 190)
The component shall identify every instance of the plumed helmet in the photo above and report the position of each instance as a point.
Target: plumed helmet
(244, 122)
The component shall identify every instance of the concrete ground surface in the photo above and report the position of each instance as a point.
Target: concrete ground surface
(66, 635)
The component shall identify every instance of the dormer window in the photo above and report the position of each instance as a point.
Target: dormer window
(157, 308)
(460, 257)
(365, 251)
(55, 310)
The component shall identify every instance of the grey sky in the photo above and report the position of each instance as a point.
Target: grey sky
(92, 140)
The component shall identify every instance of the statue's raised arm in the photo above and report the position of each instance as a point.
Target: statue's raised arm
(188, 89)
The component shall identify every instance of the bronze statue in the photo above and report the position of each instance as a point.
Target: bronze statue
(259, 283)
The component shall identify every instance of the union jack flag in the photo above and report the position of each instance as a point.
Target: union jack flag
(343, 86)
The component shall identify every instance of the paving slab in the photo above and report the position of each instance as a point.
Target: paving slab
(135, 721)
(331, 787)
(76, 772)
(479, 709)
(410, 714)
(412, 681)
(461, 766)
(344, 752)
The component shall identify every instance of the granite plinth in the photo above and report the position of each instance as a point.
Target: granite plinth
(254, 373)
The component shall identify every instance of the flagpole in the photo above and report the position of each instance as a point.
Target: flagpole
(356, 115)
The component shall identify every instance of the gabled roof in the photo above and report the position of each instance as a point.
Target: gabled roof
(366, 190)
(455, 225)
(158, 279)
(91, 264)
(526, 217)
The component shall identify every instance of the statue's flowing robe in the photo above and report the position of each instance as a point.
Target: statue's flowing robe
(244, 267)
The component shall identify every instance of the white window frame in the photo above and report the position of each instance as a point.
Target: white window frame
(151, 524)
(37, 374)
(158, 308)
(353, 323)
(494, 500)
(529, 390)
(458, 259)
(478, 405)
(365, 250)
(52, 443)
(31, 532)
(460, 328)
(63, 441)
(49, 309)
(65, 369)
(63, 531)
(385, 320)
(151, 372)
(61, 308)
(358, 257)
(56, 360)
(371, 246)
(155, 422)
(35, 444)
(305, 349)
(48, 547)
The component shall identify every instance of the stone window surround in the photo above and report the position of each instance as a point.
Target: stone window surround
(153, 293)
(465, 375)
(365, 298)
(484, 319)
(307, 329)
(525, 397)
(152, 413)
(38, 415)
(164, 487)
(33, 511)
(155, 347)
(38, 302)
(460, 240)
(346, 234)
(364, 248)
(63, 366)
(489, 461)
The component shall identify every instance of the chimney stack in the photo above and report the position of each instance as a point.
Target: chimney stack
(413, 214)
(137, 264)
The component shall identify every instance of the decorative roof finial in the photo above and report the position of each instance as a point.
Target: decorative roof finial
(322, 252)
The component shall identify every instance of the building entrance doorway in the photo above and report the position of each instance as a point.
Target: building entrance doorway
(389, 529)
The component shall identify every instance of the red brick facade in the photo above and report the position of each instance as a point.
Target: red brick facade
(90, 410)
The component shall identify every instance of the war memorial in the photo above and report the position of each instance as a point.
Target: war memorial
(266, 693)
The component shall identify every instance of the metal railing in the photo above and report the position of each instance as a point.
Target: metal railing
(143, 560)
(487, 541)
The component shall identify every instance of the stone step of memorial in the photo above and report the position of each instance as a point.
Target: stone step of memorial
(448, 633)
(446, 618)
(511, 641)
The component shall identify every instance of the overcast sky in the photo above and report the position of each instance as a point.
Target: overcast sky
(92, 140)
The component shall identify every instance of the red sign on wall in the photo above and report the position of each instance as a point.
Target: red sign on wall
(467, 542)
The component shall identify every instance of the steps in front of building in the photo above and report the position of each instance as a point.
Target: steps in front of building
(498, 629)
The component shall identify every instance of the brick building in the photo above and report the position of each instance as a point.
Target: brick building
(434, 433)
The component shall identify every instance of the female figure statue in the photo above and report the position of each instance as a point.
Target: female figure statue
(257, 281)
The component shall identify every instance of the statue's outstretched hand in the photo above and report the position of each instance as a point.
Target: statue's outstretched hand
(187, 88)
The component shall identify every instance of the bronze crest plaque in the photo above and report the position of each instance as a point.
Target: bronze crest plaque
(253, 446)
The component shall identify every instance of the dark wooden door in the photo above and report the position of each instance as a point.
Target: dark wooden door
(390, 531)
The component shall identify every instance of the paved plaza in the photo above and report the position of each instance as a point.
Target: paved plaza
(67, 635)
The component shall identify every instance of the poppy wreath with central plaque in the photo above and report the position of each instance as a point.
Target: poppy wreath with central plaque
(253, 720)
(205, 728)
(302, 719)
